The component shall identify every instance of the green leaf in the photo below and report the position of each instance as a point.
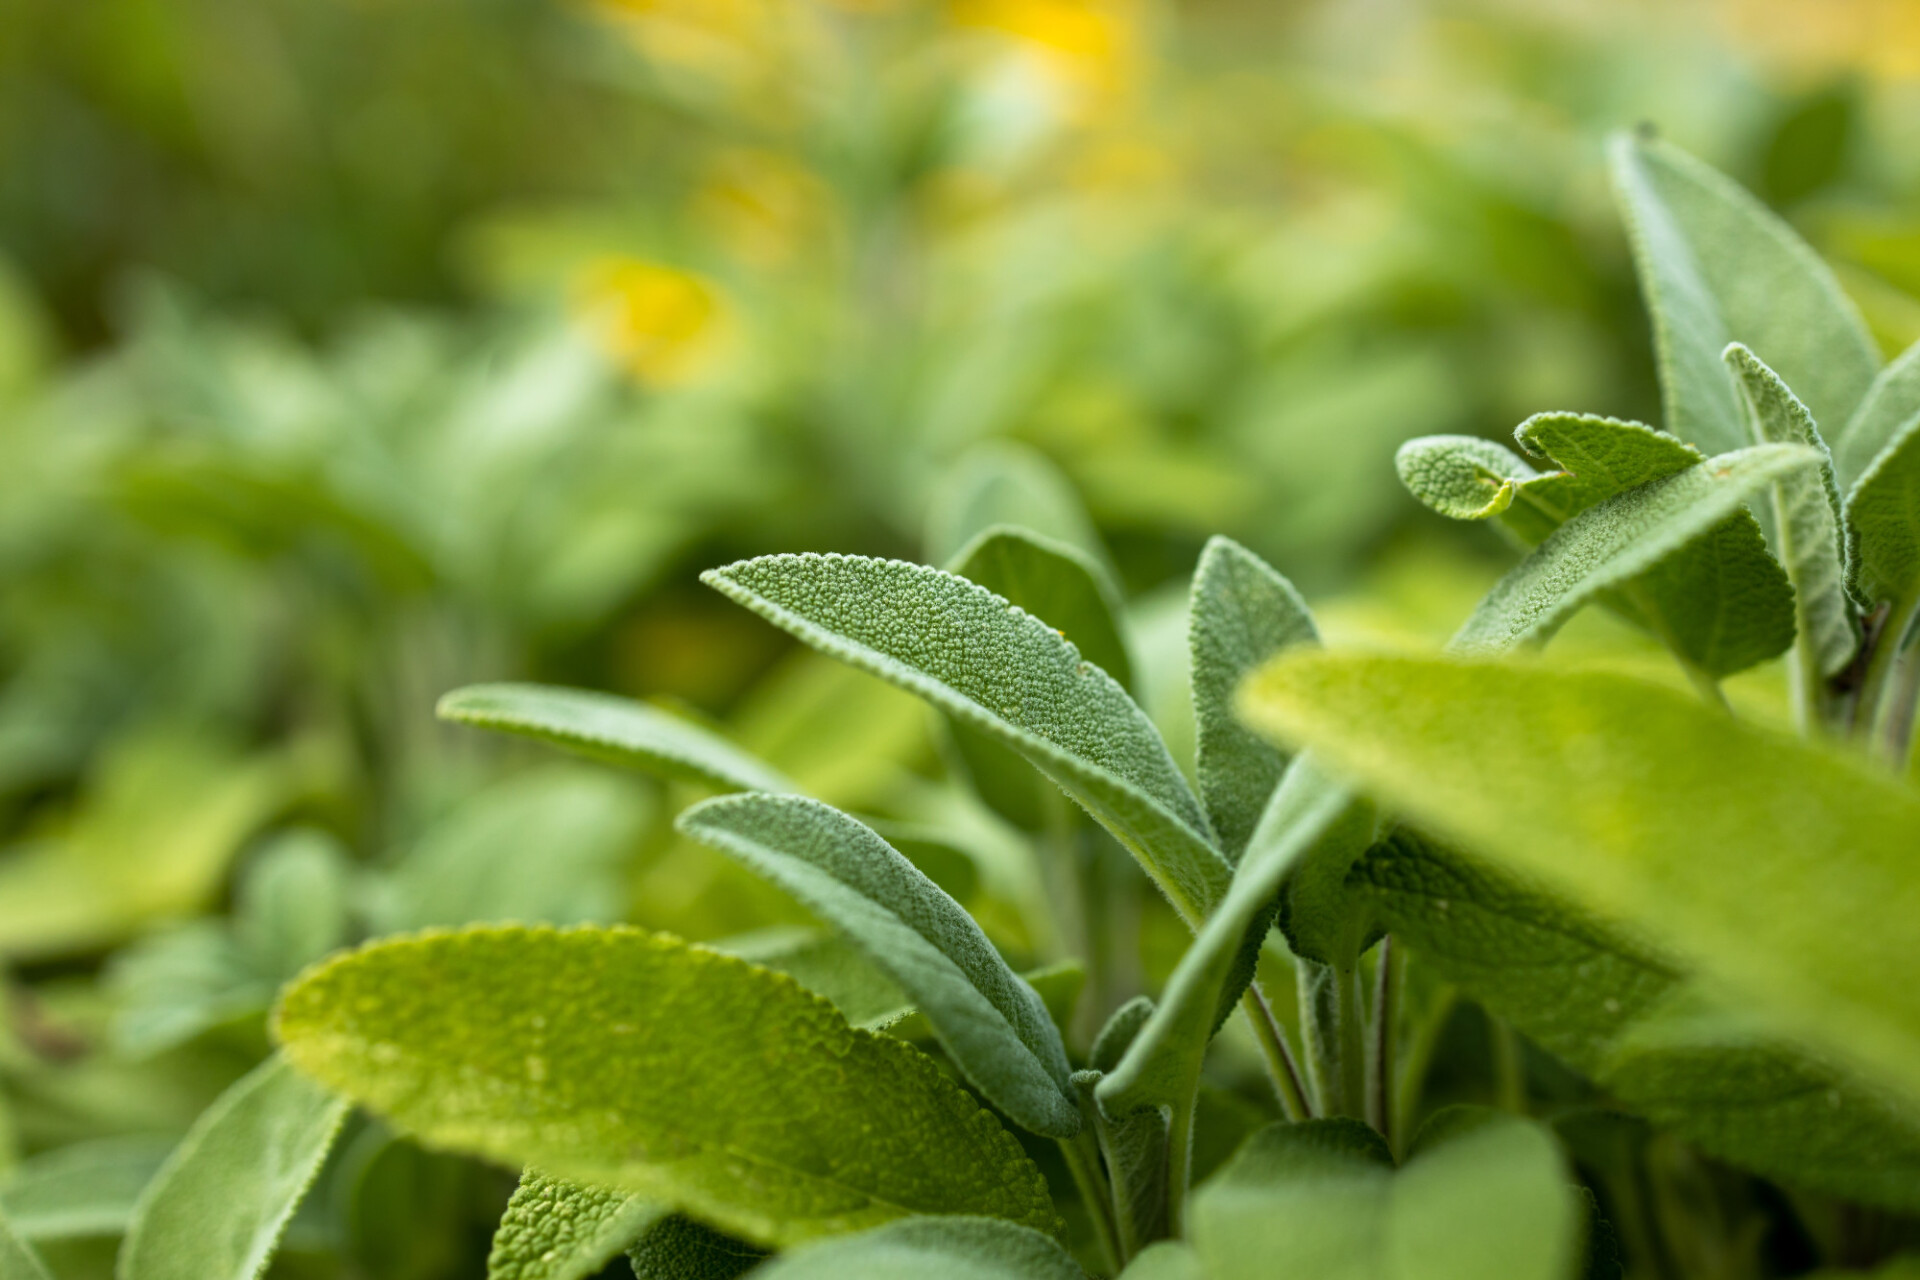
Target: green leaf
(991, 1023)
(1481, 1194)
(1717, 267)
(554, 1229)
(1883, 526)
(612, 729)
(678, 1248)
(1649, 808)
(1604, 1005)
(1057, 583)
(1462, 477)
(18, 1261)
(1006, 483)
(291, 906)
(633, 1060)
(1806, 521)
(954, 1248)
(216, 1209)
(1242, 613)
(996, 668)
(84, 1189)
(827, 965)
(1743, 608)
(1167, 1260)
(1891, 405)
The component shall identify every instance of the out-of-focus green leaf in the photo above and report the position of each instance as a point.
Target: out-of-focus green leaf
(1006, 484)
(1057, 583)
(1167, 1260)
(678, 1248)
(86, 1189)
(949, 1248)
(291, 904)
(1891, 405)
(554, 1229)
(633, 1060)
(18, 1261)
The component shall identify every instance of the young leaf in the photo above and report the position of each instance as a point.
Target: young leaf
(1482, 1194)
(633, 1060)
(997, 669)
(1057, 583)
(1806, 507)
(1242, 613)
(1651, 809)
(1717, 267)
(1883, 526)
(615, 730)
(217, 1207)
(1462, 477)
(1891, 404)
(991, 1023)
(678, 1248)
(555, 1229)
(951, 1248)
(18, 1261)
(85, 1189)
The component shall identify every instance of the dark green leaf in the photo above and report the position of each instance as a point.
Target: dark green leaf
(678, 1248)
(554, 1229)
(952, 1248)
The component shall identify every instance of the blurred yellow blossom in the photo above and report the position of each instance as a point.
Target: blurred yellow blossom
(722, 40)
(761, 204)
(1094, 46)
(1881, 37)
(660, 323)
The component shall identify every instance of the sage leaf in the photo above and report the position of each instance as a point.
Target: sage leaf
(1890, 405)
(633, 1060)
(555, 1229)
(1482, 1193)
(217, 1207)
(1806, 506)
(1242, 613)
(1462, 477)
(950, 1248)
(1003, 483)
(827, 965)
(991, 1023)
(1651, 809)
(1717, 267)
(18, 1261)
(1057, 583)
(1883, 527)
(613, 730)
(998, 669)
(84, 1189)
(1166, 1260)
(678, 1248)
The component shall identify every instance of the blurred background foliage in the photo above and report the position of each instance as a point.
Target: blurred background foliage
(353, 351)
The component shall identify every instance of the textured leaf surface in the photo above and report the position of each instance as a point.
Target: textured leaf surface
(555, 1229)
(678, 1248)
(616, 730)
(1242, 612)
(991, 1023)
(1651, 809)
(1891, 404)
(956, 1248)
(1002, 671)
(1057, 583)
(1462, 477)
(1806, 506)
(1481, 1194)
(86, 1189)
(18, 1261)
(627, 1059)
(1717, 267)
(216, 1209)
(1883, 524)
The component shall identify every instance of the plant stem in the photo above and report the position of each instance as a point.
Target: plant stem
(1896, 737)
(1179, 1166)
(1415, 1059)
(1281, 1064)
(1386, 1007)
(1083, 1162)
(1319, 1029)
(1353, 1043)
(1872, 710)
(1509, 1074)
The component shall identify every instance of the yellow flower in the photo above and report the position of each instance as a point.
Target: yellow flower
(1881, 37)
(722, 40)
(663, 325)
(762, 204)
(1093, 45)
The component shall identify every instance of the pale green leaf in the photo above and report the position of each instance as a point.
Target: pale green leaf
(991, 1023)
(1241, 613)
(1002, 671)
(1883, 525)
(678, 1248)
(291, 905)
(1891, 405)
(1057, 583)
(1481, 1194)
(634, 1060)
(1006, 483)
(1651, 809)
(1462, 477)
(1167, 1260)
(826, 964)
(952, 1248)
(612, 729)
(1058, 985)
(216, 1209)
(555, 1229)
(1717, 267)
(84, 1189)
(18, 1261)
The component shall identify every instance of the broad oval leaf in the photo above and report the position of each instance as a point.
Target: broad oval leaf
(1000, 670)
(633, 1060)
(955, 1248)
(1883, 526)
(1057, 583)
(557, 1229)
(1651, 809)
(678, 1248)
(216, 1209)
(1890, 405)
(991, 1023)
(614, 730)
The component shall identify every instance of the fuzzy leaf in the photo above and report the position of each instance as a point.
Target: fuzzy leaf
(1717, 267)
(1883, 525)
(615, 730)
(678, 1248)
(1242, 613)
(1806, 517)
(1167, 1260)
(555, 1229)
(827, 965)
(85, 1189)
(1481, 1194)
(1000, 670)
(1057, 583)
(1892, 403)
(991, 1023)
(1646, 807)
(952, 1248)
(628, 1059)
(18, 1261)
(1462, 477)
(217, 1207)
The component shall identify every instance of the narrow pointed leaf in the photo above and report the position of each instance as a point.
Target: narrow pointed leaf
(678, 1248)
(217, 1208)
(555, 1229)
(1241, 614)
(1002, 671)
(1649, 808)
(633, 1060)
(955, 1248)
(1883, 525)
(991, 1023)
(1057, 583)
(1891, 404)
(1717, 267)
(18, 1261)
(615, 730)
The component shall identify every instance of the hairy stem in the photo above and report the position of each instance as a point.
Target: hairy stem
(1083, 1162)
(1179, 1166)
(1319, 1029)
(1386, 1006)
(1282, 1066)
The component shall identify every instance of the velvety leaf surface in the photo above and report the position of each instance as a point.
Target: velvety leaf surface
(616, 730)
(1482, 1194)
(951, 1248)
(678, 1248)
(1717, 267)
(1002, 671)
(1651, 809)
(555, 1229)
(1462, 477)
(1891, 404)
(827, 965)
(1057, 583)
(216, 1209)
(991, 1023)
(1241, 613)
(1883, 525)
(18, 1261)
(634, 1060)
(85, 1189)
